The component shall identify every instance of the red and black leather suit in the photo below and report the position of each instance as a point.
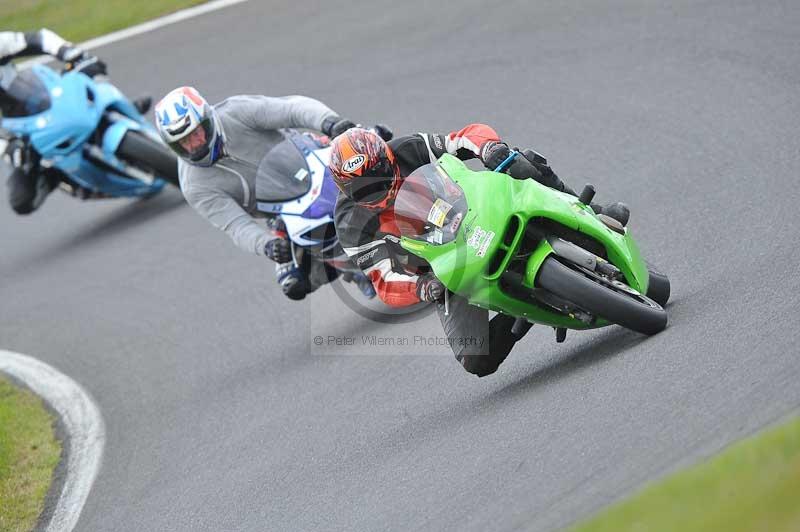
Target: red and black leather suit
(371, 239)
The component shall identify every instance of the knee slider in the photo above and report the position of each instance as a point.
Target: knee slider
(479, 365)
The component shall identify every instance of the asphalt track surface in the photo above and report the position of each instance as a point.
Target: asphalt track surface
(223, 415)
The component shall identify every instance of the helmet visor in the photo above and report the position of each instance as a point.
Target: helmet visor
(373, 185)
(197, 144)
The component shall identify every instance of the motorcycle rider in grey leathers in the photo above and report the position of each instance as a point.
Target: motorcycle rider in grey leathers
(220, 148)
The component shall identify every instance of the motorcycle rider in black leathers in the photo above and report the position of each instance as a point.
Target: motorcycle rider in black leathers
(30, 182)
(369, 173)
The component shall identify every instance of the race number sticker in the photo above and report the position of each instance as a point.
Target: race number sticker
(438, 212)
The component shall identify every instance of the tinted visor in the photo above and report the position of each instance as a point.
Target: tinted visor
(197, 144)
(374, 185)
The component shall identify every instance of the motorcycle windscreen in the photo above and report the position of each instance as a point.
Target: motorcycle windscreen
(22, 94)
(282, 174)
(430, 206)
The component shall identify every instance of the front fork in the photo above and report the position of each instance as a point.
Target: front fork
(552, 245)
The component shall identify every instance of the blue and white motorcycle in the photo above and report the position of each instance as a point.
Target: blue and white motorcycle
(293, 183)
(89, 131)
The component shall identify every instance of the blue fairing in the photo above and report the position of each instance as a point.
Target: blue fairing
(84, 115)
(326, 201)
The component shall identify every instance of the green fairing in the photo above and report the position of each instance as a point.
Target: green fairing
(493, 199)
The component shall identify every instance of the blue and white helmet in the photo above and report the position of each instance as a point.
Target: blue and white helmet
(190, 126)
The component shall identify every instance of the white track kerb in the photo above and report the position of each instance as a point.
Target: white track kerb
(84, 426)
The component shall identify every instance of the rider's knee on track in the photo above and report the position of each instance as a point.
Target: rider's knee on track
(479, 364)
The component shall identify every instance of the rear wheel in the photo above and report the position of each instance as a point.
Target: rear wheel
(149, 154)
(613, 301)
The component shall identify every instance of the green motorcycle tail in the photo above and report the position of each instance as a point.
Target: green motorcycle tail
(525, 250)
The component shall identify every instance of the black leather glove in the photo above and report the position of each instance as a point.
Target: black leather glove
(384, 132)
(89, 65)
(333, 126)
(429, 288)
(494, 153)
(279, 250)
(520, 167)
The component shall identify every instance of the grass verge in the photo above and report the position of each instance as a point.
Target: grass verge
(29, 452)
(79, 20)
(752, 485)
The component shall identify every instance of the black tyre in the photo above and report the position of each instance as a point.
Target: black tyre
(601, 298)
(149, 154)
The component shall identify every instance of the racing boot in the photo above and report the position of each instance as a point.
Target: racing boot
(142, 104)
(292, 281)
(364, 284)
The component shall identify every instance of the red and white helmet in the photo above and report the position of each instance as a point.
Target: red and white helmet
(190, 126)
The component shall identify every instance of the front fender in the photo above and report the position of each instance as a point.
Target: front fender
(107, 96)
(115, 133)
(535, 262)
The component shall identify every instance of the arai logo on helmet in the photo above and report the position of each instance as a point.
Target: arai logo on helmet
(354, 163)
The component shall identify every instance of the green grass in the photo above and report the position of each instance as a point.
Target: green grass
(79, 20)
(752, 485)
(29, 453)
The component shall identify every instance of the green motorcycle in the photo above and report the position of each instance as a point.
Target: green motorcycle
(522, 249)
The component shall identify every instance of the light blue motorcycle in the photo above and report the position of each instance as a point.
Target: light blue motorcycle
(89, 131)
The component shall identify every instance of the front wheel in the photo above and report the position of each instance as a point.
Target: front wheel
(600, 297)
(146, 153)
